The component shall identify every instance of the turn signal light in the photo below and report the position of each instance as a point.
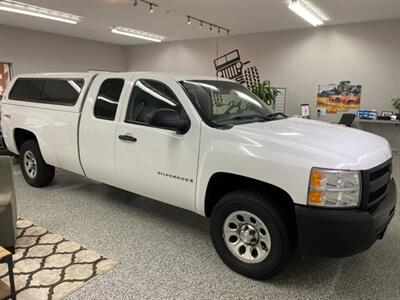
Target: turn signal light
(314, 197)
(316, 178)
(334, 188)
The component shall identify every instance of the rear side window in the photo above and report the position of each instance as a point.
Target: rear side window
(27, 90)
(51, 91)
(63, 92)
(107, 100)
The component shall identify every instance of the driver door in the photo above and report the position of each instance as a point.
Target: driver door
(156, 162)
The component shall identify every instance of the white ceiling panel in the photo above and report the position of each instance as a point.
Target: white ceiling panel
(169, 19)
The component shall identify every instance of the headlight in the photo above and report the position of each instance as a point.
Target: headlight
(334, 188)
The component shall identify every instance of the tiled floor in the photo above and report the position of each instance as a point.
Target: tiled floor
(166, 252)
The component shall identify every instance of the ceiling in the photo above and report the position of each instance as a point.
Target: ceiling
(169, 19)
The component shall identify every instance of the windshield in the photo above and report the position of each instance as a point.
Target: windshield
(226, 103)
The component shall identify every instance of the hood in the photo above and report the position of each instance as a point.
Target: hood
(321, 143)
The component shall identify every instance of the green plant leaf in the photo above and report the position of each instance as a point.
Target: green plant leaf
(265, 92)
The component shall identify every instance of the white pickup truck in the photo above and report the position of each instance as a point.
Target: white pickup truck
(270, 184)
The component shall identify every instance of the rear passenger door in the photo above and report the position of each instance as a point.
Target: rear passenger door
(157, 162)
(99, 124)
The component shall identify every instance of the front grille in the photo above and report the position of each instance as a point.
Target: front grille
(375, 184)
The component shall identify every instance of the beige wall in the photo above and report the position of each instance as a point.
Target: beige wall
(300, 60)
(34, 51)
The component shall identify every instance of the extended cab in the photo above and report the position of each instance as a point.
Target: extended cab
(269, 183)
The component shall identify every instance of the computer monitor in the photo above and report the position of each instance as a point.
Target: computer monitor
(347, 119)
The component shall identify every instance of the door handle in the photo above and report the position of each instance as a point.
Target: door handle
(127, 138)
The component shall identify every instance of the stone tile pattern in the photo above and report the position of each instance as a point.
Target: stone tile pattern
(47, 266)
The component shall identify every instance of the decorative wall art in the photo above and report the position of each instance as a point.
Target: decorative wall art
(231, 66)
(5, 77)
(339, 97)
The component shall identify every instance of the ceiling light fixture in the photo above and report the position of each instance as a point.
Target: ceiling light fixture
(303, 11)
(37, 11)
(211, 25)
(151, 4)
(137, 34)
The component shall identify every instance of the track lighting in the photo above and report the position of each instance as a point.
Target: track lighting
(151, 4)
(211, 25)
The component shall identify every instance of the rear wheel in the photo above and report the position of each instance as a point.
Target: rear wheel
(251, 234)
(34, 169)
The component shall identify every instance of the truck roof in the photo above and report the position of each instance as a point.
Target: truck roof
(177, 77)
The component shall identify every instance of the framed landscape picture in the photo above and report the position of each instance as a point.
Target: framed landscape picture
(5, 76)
(339, 97)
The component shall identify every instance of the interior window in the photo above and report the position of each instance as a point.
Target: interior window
(147, 97)
(108, 98)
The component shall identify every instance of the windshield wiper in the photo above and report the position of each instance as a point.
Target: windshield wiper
(273, 115)
(249, 117)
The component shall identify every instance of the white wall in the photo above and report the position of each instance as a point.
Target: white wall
(35, 51)
(300, 60)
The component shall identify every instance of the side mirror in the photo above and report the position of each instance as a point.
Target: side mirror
(170, 119)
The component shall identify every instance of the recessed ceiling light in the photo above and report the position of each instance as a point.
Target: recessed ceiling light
(137, 34)
(36, 11)
(305, 12)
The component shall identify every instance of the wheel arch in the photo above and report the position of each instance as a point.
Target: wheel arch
(221, 183)
(21, 136)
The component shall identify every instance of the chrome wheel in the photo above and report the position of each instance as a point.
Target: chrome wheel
(247, 237)
(30, 164)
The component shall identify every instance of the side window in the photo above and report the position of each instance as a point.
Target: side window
(26, 89)
(107, 100)
(147, 97)
(63, 92)
(51, 91)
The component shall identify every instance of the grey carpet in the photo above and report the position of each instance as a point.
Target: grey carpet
(166, 252)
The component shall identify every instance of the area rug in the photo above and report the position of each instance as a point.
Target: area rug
(47, 266)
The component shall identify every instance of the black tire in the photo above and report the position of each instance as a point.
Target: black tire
(44, 173)
(275, 218)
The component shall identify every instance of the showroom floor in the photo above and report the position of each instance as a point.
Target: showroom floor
(166, 252)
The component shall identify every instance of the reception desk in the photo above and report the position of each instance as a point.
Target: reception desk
(388, 129)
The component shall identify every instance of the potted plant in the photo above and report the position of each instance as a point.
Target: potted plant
(265, 92)
(396, 105)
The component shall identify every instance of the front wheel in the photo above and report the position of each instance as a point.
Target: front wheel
(251, 234)
(34, 169)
